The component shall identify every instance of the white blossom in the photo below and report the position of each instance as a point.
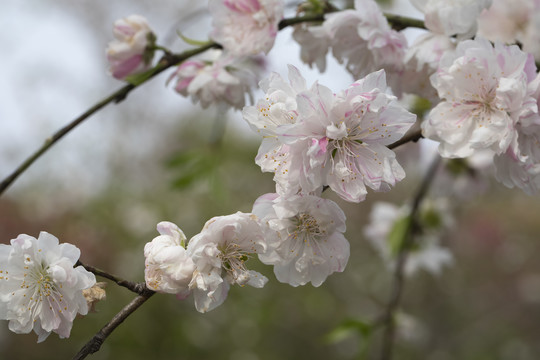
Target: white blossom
(484, 90)
(218, 78)
(168, 268)
(363, 39)
(128, 53)
(520, 165)
(40, 289)
(348, 136)
(246, 27)
(452, 17)
(276, 109)
(420, 63)
(305, 237)
(505, 20)
(315, 138)
(220, 252)
(314, 41)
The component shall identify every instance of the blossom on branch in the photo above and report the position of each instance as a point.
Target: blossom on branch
(315, 138)
(168, 268)
(511, 21)
(131, 52)
(420, 63)
(360, 38)
(314, 41)
(218, 78)
(454, 17)
(520, 165)
(40, 289)
(305, 237)
(485, 91)
(246, 27)
(220, 252)
(276, 109)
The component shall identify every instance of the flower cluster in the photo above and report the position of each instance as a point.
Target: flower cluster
(360, 38)
(244, 29)
(40, 289)
(313, 137)
(485, 100)
(490, 95)
(214, 259)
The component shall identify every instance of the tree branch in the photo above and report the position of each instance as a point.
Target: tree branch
(401, 22)
(95, 343)
(166, 62)
(413, 136)
(387, 319)
(138, 288)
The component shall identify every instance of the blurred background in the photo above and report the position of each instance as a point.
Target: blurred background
(157, 157)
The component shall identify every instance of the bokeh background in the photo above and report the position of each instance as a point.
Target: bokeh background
(157, 157)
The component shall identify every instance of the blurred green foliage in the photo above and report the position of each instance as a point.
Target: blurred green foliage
(474, 310)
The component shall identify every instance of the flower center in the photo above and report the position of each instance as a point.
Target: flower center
(38, 287)
(307, 227)
(233, 259)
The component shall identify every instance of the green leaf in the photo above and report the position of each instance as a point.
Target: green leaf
(191, 41)
(137, 79)
(397, 235)
(430, 219)
(349, 328)
(420, 106)
(458, 166)
(316, 6)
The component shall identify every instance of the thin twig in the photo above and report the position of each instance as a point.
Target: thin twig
(138, 288)
(116, 97)
(301, 19)
(401, 22)
(95, 343)
(387, 319)
(410, 137)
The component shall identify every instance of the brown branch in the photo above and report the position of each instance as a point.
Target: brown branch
(95, 343)
(410, 137)
(402, 22)
(166, 62)
(387, 319)
(301, 19)
(138, 288)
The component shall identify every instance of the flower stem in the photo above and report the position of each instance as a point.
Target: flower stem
(138, 288)
(387, 320)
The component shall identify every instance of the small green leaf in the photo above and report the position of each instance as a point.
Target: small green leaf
(420, 106)
(149, 51)
(137, 79)
(191, 41)
(397, 235)
(431, 219)
(349, 328)
(457, 166)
